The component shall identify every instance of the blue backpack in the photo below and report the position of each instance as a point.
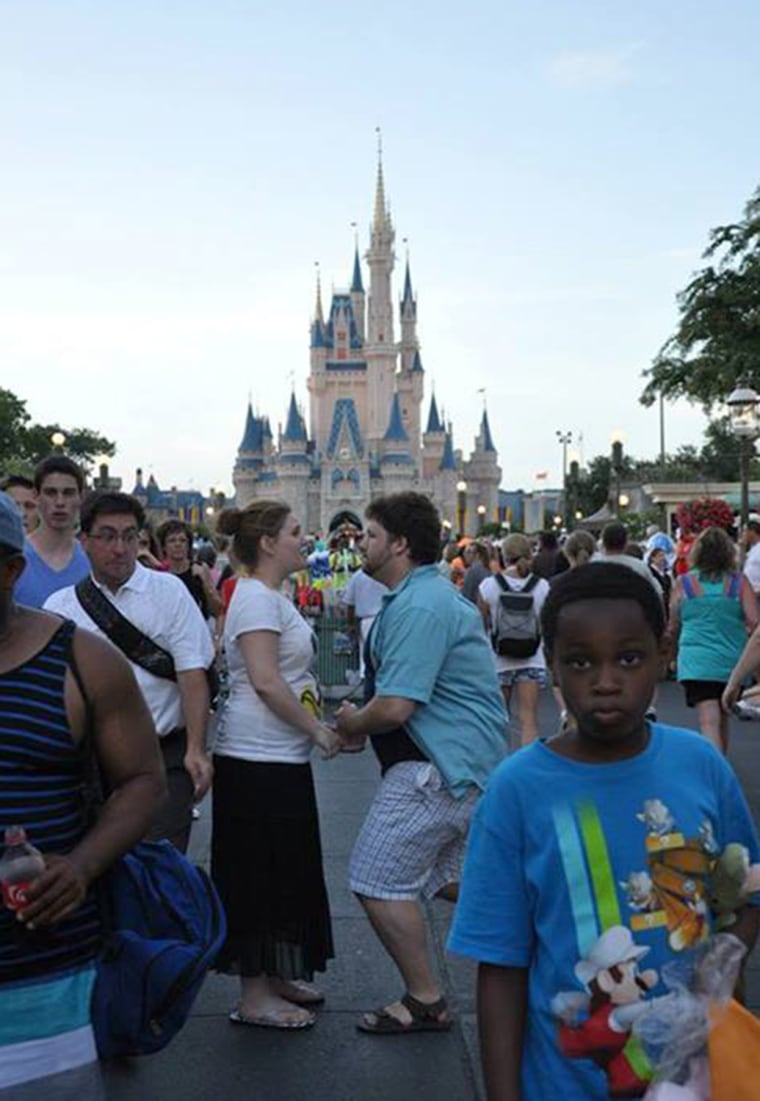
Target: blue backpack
(164, 927)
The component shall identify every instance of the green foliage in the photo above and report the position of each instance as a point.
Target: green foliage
(23, 445)
(717, 342)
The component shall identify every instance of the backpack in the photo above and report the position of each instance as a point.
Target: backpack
(516, 632)
(164, 927)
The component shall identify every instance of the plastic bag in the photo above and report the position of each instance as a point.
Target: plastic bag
(676, 1028)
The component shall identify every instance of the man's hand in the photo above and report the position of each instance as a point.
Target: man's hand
(201, 771)
(344, 718)
(54, 895)
(729, 697)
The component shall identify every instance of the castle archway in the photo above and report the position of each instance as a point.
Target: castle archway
(345, 517)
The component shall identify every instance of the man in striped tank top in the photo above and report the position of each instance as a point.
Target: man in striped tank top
(55, 679)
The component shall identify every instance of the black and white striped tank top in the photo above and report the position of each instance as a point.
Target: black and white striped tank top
(41, 789)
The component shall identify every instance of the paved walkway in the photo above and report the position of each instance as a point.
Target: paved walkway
(333, 1062)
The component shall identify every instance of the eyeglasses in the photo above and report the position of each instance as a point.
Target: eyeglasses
(109, 536)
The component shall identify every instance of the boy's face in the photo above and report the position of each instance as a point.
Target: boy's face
(606, 662)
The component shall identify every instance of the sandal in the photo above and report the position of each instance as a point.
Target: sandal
(273, 1019)
(426, 1017)
(300, 993)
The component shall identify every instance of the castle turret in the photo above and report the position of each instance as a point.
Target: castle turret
(380, 350)
(408, 313)
(396, 463)
(433, 441)
(358, 297)
(483, 474)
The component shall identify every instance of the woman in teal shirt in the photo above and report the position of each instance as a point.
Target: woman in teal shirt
(712, 611)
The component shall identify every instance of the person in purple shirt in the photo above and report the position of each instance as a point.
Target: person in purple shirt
(54, 558)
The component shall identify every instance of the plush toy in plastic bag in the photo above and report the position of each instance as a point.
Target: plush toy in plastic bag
(697, 1017)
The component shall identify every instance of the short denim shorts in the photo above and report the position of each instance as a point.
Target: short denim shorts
(534, 673)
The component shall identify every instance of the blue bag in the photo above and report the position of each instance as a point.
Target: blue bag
(164, 926)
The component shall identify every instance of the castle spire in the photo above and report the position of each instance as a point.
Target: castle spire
(318, 314)
(407, 302)
(381, 208)
(434, 423)
(396, 430)
(357, 287)
(485, 433)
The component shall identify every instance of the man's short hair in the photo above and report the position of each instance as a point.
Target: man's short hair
(16, 480)
(548, 540)
(411, 516)
(106, 502)
(57, 464)
(614, 536)
(600, 581)
(173, 526)
(752, 525)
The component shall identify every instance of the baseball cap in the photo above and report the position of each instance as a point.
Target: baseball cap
(11, 526)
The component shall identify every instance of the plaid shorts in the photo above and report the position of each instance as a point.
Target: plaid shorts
(413, 839)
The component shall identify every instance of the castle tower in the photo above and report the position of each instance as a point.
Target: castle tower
(433, 442)
(483, 476)
(358, 297)
(380, 348)
(408, 312)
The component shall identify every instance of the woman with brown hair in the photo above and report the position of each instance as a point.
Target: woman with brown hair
(712, 610)
(266, 856)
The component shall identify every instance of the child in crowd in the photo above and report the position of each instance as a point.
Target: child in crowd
(590, 858)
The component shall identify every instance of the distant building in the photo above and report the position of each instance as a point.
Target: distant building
(365, 435)
(161, 504)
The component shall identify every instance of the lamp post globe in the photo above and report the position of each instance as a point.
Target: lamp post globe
(742, 405)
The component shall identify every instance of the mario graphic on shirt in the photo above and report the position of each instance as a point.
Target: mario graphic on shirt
(615, 989)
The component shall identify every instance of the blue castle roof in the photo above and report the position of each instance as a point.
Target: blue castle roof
(448, 462)
(396, 430)
(417, 361)
(485, 433)
(345, 412)
(407, 302)
(434, 421)
(253, 435)
(295, 429)
(357, 287)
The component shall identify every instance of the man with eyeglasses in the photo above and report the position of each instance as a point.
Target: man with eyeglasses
(54, 558)
(160, 607)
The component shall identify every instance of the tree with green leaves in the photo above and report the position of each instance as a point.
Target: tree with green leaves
(717, 342)
(23, 444)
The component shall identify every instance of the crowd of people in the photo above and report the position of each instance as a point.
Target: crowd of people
(574, 854)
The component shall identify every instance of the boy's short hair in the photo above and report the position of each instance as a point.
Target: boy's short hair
(411, 516)
(614, 536)
(14, 480)
(600, 581)
(58, 464)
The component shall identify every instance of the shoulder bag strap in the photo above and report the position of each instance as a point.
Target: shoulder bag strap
(135, 645)
(531, 583)
(502, 583)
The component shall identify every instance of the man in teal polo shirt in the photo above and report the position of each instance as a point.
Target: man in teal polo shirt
(438, 726)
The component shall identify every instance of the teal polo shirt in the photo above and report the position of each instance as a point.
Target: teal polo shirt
(429, 645)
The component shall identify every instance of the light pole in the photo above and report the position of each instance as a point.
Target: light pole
(461, 506)
(564, 438)
(481, 517)
(617, 470)
(742, 408)
(58, 441)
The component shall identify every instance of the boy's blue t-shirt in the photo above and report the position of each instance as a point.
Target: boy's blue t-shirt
(38, 581)
(592, 877)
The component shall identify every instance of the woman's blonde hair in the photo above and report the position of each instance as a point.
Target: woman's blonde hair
(249, 525)
(579, 547)
(516, 546)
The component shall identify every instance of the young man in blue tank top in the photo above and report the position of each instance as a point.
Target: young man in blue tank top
(591, 858)
(48, 949)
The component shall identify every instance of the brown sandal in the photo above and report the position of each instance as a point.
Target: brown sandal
(426, 1017)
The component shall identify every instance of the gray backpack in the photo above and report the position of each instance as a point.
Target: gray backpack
(516, 630)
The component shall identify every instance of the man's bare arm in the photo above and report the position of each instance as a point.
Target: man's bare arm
(381, 715)
(502, 1009)
(193, 689)
(126, 749)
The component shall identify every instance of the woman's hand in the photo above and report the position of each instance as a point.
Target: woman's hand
(327, 740)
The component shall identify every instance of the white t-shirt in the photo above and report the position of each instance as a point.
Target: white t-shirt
(489, 591)
(364, 594)
(249, 729)
(752, 567)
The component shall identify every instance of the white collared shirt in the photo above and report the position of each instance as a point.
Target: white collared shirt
(161, 607)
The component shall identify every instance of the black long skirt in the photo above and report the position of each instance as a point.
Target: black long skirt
(266, 862)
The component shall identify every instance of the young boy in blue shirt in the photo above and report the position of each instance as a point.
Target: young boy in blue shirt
(590, 858)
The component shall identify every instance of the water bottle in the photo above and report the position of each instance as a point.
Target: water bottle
(20, 865)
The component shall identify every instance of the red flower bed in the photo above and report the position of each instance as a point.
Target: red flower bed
(695, 516)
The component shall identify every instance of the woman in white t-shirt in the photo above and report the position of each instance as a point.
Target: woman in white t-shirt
(521, 678)
(266, 857)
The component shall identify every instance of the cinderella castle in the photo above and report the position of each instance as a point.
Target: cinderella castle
(365, 435)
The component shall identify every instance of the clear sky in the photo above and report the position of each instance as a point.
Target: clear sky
(172, 169)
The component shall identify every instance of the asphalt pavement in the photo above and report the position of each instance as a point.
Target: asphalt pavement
(210, 1059)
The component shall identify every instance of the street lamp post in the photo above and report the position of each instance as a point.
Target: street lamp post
(58, 441)
(481, 517)
(742, 407)
(461, 506)
(564, 438)
(617, 470)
